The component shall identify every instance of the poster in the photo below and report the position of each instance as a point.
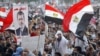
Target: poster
(20, 16)
(34, 43)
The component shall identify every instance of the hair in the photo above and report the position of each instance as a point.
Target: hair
(58, 54)
(98, 34)
(79, 49)
(7, 38)
(98, 43)
(1, 38)
(20, 13)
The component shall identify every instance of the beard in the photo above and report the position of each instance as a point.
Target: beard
(59, 38)
(21, 25)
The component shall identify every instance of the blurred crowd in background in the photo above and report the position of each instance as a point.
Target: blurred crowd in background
(57, 42)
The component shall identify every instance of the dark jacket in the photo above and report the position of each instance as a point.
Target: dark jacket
(9, 52)
(23, 33)
(1, 50)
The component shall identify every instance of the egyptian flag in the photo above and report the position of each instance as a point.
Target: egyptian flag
(6, 19)
(53, 15)
(78, 17)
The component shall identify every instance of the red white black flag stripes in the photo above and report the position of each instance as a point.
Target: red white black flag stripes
(53, 15)
(77, 17)
(6, 21)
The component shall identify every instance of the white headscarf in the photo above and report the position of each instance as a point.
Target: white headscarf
(59, 32)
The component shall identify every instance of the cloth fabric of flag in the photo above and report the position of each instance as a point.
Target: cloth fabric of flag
(78, 17)
(53, 15)
(6, 21)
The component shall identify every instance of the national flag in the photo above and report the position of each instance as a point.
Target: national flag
(6, 21)
(53, 15)
(78, 17)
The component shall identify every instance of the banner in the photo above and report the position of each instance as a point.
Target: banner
(20, 14)
(34, 43)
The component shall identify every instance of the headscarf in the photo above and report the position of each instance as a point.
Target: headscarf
(18, 52)
(59, 32)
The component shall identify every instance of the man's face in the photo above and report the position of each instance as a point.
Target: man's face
(59, 37)
(21, 20)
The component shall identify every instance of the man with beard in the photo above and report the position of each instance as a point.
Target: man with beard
(60, 44)
(22, 30)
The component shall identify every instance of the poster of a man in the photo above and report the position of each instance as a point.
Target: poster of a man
(22, 30)
(20, 15)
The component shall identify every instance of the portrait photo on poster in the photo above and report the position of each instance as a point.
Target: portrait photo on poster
(21, 20)
(22, 30)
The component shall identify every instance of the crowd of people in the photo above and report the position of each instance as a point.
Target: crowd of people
(57, 42)
(68, 44)
(60, 43)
